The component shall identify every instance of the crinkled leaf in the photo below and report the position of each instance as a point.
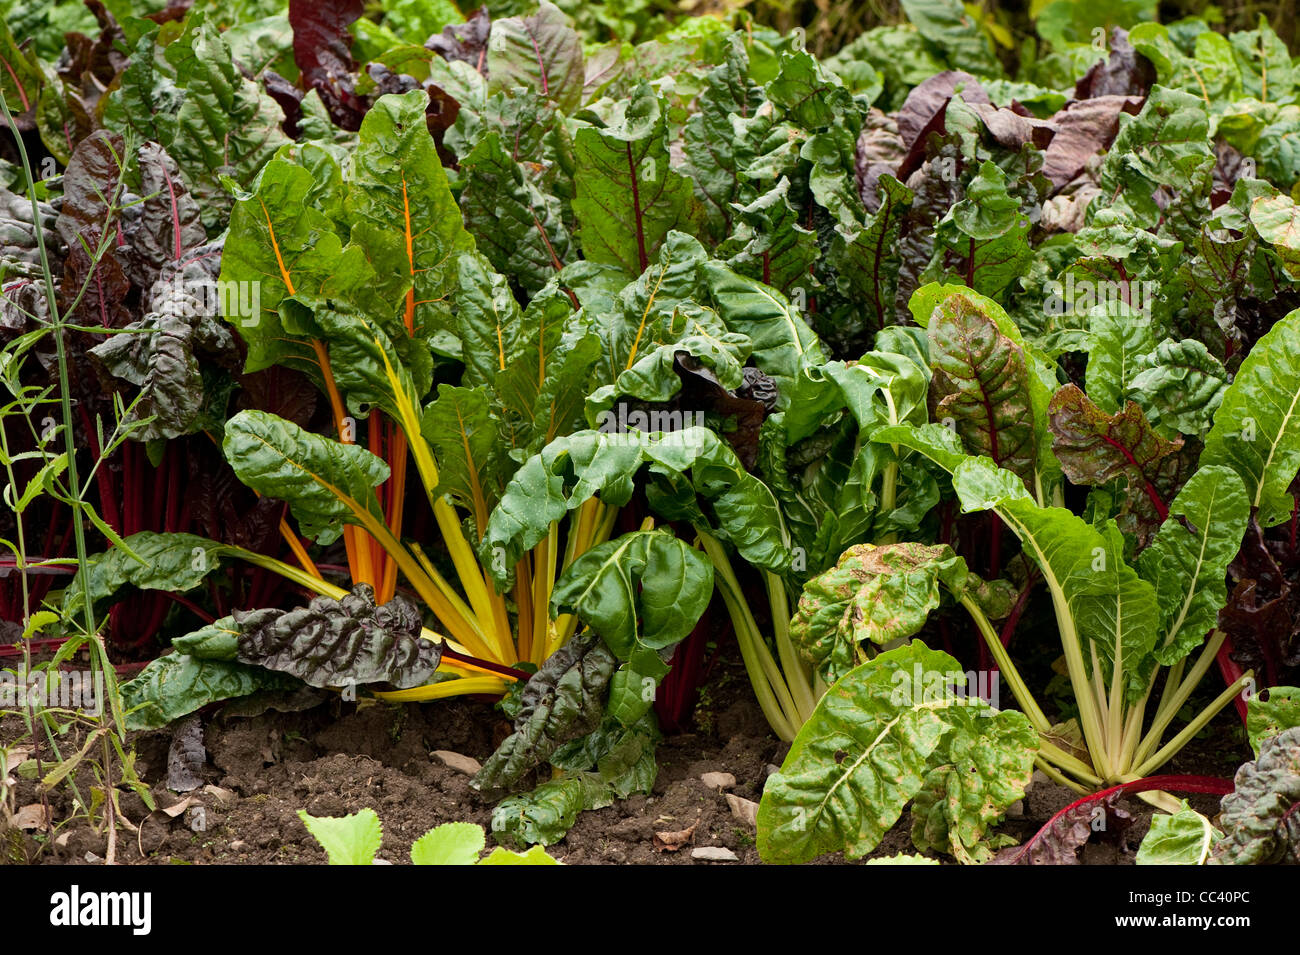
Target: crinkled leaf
(347, 840)
(988, 764)
(227, 125)
(563, 700)
(867, 751)
(873, 594)
(1259, 820)
(338, 643)
(1180, 385)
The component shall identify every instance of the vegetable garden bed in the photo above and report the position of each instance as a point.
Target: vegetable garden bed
(429, 433)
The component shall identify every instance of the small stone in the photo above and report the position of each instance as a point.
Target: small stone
(381, 862)
(714, 854)
(1016, 810)
(743, 810)
(238, 844)
(458, 761)
(718, 780)
(773, 768)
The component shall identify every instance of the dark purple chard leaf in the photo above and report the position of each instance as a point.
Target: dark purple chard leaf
(879, 151)
(1095, 448)
(982, 383)
(541, 52)
(1084, 128)
(223, 509)
(166, 353)
(322, 48)
(466, 42)
(91, 184)
(1013, 130)
(929, 100)
(288, 97)
(339, 643)
(164, 224)
(562, 701)
(19, 254)
(1059, 842)
(1262, 615)
(935, 188)
(186, 756)
(741, 411)
(1124, 72)
(1260, 820)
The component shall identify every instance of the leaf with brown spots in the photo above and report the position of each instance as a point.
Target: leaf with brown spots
(1095, 448)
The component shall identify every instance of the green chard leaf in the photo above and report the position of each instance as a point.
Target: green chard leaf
(1267, 718)
(1185, 838)
(403, 214)
(539, 52)
(1256, 431)
(518, 226)
(326, 483)
(628, 196)
(888, 730)
(642, 593)
(178, 684)
(986, 235)
(227, 125)
(689, 470)
(1188, 562)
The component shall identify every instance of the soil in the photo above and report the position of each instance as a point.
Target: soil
(341, 757)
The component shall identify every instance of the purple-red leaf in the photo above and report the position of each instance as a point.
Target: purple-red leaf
(322, 48)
